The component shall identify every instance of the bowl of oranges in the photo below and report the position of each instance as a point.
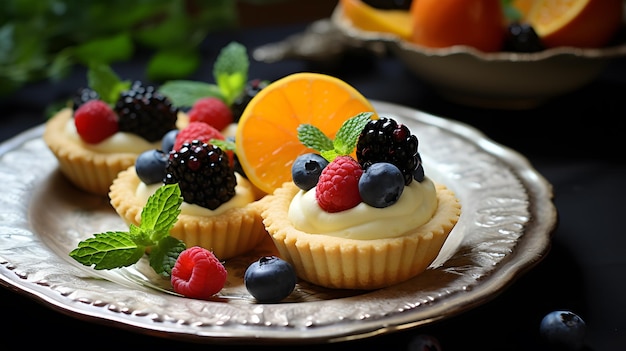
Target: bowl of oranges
(510, 54)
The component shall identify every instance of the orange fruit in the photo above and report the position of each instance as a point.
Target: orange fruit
(443, 23)
(577, 23)
(523, 6)
(368, 18)
(266, 139)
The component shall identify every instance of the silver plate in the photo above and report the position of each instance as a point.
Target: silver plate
(505, 228)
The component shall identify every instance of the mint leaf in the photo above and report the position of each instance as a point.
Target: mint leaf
(345, 140)
(161, 211)
(348, 134)
(184, 93)
(313, 138)
(108, 250)
(225, 145)
(231, 71)
(105, 82)
(120, 249)
(164, 255)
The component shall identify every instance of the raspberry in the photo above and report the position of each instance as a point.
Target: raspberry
(338, 187)
(198, 274)
(212, 111)
(196, 131)
(95, 121)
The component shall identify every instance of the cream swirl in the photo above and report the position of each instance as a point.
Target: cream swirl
(416, 206)
(243, 196)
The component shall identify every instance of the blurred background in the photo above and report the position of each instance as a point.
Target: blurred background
(45, 40)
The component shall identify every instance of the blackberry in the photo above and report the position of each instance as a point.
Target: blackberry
(521, 37)
(252, 88)
(389, 4)
(384, 140)
(203, 174)
(83, 95)
(145, 112)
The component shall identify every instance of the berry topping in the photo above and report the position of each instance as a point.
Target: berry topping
(249, 91)
(203, 173)
(145, 112)
(563, 329)
(381, 185)
(306, 170)
(83, 95)
(197, 131)
(384, 140)
(270, 279)
(95, 121)
(150, 166)
(212, 111)
(198, 274)
(521, 37)
(338, 186)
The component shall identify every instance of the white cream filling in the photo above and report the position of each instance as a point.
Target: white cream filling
(416, 206)
(243, 196)
(120, 142)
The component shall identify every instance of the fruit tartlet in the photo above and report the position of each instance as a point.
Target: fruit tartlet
(361, 222)
(219, 210)
(94, 140)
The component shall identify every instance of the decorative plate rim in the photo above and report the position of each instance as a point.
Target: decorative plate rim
(502, 234)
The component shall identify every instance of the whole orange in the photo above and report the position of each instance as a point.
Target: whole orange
(444, 23)
(577, 23)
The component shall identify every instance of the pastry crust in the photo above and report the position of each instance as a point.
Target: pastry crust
(229, 234)
(340, 263)
(88, 170)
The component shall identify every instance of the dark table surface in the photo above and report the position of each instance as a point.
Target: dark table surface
(574, 141)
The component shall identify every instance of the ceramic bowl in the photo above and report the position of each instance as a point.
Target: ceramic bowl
(507, 80)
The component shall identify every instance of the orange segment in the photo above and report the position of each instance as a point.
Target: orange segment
(368, 18)
(578, 23)
(267, 137)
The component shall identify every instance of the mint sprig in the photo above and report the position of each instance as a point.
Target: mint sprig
(230, 73)
(118, 249)
(345, 139)
(104, 81)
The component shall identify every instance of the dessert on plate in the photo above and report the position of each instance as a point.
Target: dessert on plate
(366, 222)
(354, 209)
(94, 140)
(219, 210)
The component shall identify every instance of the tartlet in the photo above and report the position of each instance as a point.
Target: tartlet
(343, 263)
(88, 169)
(227, 234)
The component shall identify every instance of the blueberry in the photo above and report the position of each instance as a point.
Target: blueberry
(151, 165)
(563, 329)
(167, 143)
(306, 170)
(381, 184)
(424, 342)
(270, 279)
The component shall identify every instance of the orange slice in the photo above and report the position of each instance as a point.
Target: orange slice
(368, 18)
(267, 137)
(523, 6)
(577, 23)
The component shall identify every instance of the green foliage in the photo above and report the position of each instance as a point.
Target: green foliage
(121, 249)
(230, 73)
(345, 140)
(45, 39)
